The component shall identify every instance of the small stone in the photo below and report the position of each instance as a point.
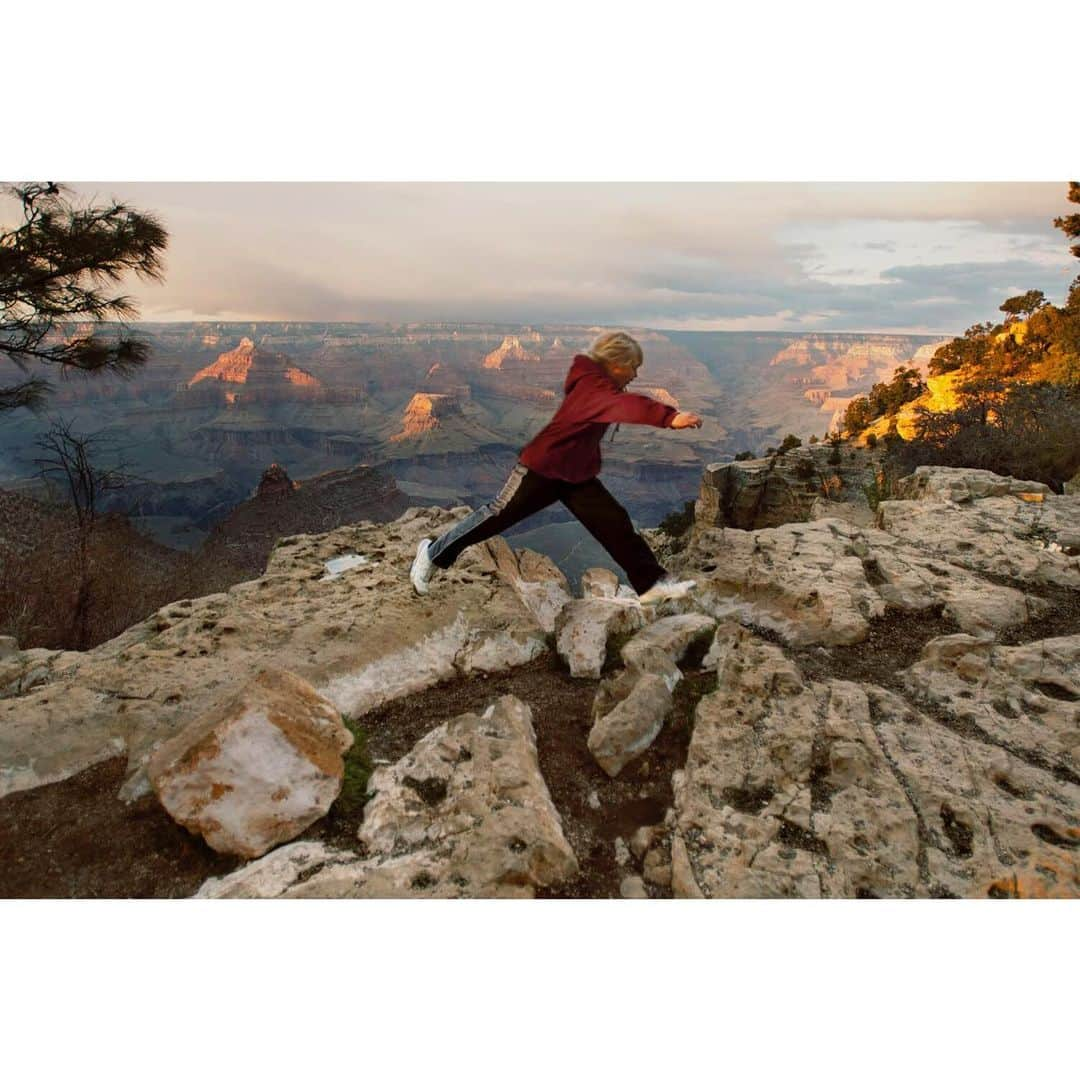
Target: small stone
(622, 852)
(633, 888)
(599, 582)
(642, 840)
(657, 868)
(594, 801)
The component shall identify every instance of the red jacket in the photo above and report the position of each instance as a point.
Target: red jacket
(568, 448)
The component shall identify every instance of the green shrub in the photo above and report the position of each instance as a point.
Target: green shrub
(358, 769)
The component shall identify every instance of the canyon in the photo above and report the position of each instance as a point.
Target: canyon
(441, 409)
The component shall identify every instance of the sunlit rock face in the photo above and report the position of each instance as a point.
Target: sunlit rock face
(424, 413)
(511, 351)
(255, 369)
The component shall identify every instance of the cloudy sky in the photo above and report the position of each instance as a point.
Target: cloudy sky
(917, 257)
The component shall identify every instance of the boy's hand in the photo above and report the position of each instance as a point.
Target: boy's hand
(686, 419)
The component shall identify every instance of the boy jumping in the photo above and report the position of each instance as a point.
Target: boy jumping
(562, 463)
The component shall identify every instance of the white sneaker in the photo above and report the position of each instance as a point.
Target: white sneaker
(667, 588)
(421, 568)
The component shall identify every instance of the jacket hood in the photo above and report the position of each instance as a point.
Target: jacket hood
(582, 367)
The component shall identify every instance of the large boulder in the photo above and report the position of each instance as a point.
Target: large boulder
(465, 813)
(258, 769)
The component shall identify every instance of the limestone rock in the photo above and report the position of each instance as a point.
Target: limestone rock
(361, 638)
(628, 713)
(673, 635)
(599, 582)
(1000, 535)
(839, 789)
(539, 583)
(465, 813)
(964, 485)
(257, 770)
(489, 652)
(651, 661)
(823, 582)
(1025, 698)
(642, 840)
(805, 582)
(797, 486)
(633, 888)
(584, 627)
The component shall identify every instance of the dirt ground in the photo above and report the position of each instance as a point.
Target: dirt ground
(76, 839)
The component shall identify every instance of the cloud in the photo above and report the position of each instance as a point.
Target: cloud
(831, 256)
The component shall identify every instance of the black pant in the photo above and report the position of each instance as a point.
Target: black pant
(527, 492)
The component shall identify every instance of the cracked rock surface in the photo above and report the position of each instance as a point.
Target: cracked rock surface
(814, 789)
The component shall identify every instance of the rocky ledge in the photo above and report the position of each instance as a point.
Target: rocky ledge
(882, 710)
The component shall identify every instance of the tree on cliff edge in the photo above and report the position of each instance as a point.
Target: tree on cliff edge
(57, 266)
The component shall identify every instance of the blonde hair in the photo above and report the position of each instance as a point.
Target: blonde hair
(616, 349)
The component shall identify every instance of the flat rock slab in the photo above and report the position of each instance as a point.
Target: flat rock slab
(466, 813)
(361, 638)
(258, 769)
(1025, 698)
(1004, 536)
(796, 789)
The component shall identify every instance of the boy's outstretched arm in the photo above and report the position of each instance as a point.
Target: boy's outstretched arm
(603, 404)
